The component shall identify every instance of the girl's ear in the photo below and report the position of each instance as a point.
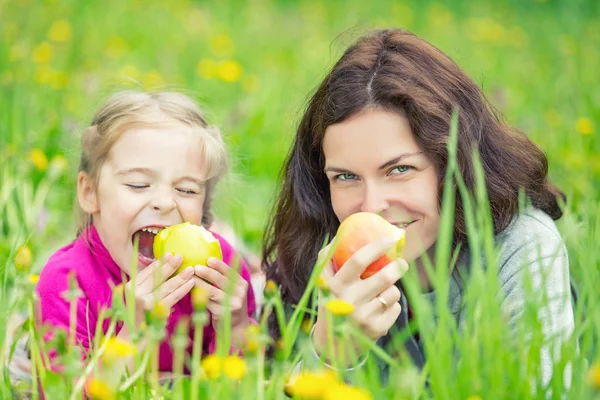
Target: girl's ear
(86, 193)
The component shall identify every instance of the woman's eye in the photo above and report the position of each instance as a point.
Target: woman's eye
(136, 186)
(344, 177)
(400, 169)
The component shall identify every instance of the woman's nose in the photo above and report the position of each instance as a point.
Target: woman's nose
(375, 199)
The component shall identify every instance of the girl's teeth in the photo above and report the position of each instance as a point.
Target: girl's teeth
(151, 230)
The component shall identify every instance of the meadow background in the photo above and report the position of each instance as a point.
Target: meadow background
(252, 65)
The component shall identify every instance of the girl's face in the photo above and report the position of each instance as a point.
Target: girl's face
(152, 178)
(374, 164)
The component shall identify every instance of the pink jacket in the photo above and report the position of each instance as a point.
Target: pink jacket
(96, 274)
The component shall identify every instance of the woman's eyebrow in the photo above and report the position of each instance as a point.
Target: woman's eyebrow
(337, 170)
(383, 166)
(399, 158)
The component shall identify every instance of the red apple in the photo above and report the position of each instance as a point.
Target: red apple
(360, 229)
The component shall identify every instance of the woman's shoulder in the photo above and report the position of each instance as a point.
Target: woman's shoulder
(532, 234)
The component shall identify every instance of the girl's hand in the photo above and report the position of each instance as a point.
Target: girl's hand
(155, 284)
(375, 299)
(216, 279)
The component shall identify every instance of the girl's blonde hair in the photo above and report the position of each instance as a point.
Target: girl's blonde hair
(139, 110)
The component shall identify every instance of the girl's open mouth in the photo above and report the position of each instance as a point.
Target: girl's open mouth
(145, 238)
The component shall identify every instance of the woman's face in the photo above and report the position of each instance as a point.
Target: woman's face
(374, 164)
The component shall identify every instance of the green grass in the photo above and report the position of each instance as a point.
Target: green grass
(536, 60)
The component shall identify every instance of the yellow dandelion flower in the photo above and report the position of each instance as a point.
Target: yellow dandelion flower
(200, 298)
(23, 258)
(251, 346)
(34, 279)
(54, 79)
(212, 366)
(339, 307)
(42, 53)
(60, 31)
(221, 45)
(270, 288)
(117, 349)
(153, 79)
(229, 71)
(234, 367)
(584, 126)
(593, 375)
(322, 284)
(43, 74)
(252, 343)
(115, 47)
(311, 385)
(130, 71)
(207, 68)
(484, 30)
(252, 330)
(474, 398)
(159, 312)
(99, 390)
(346, 392)
(306, 325)
(39, 159)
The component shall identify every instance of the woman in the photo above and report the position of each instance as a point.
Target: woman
(373, 138)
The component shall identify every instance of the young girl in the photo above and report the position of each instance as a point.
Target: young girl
(148, 161)
(373, 138)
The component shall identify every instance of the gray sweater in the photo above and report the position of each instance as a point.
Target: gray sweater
(531, 251)
(532, 247)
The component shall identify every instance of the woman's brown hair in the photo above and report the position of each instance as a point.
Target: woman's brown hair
(400, 72)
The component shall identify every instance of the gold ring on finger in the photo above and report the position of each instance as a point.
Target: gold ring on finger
(382, 301)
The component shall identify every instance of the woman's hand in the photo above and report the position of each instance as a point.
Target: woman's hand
(155, 283)
(375, 299)
(216, 279)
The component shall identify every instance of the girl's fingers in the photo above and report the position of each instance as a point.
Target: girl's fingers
(172, 298)
(147, 272)
(176, 282)
(211, 275)
(216, 310)
(218, 296)
(160, 274)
